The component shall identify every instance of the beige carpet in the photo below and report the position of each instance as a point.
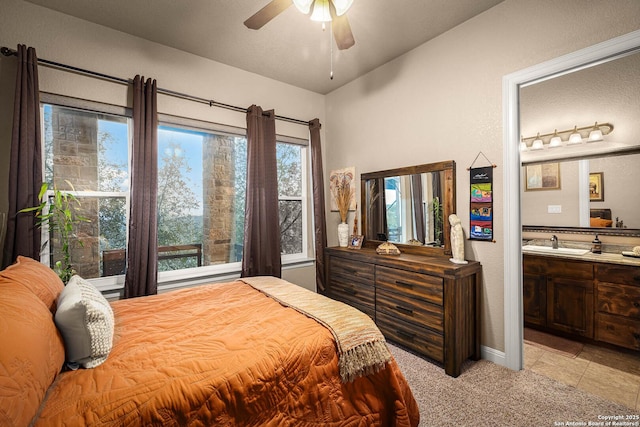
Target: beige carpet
(486, 394)
(552, 343)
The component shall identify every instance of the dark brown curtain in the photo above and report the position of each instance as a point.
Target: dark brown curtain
(319, 215)
(418, 206)
(141, 276)
(261, 250)
(25, 165)
(377, 209)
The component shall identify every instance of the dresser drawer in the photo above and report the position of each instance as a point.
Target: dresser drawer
(422, 340)
(404, 307)
(613, 273)
(415, 285)
(355, 270)
(617, 330)
(359, 295)
(618, 299)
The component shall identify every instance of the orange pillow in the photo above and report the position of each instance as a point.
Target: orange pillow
(31, 353)
(599, 222)
(38, 278)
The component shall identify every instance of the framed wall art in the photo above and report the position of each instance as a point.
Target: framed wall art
(544, 176)
(596, 187)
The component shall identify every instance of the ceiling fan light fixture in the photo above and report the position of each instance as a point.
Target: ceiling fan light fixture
(342, 6)
(321, 12)
(303, 6)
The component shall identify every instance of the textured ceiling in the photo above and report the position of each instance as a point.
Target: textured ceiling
(290, 48)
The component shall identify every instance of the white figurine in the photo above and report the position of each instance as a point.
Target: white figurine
(457, 240)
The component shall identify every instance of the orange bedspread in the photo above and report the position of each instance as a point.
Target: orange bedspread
(223, 354)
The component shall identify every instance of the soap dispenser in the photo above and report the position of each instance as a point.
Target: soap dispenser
(596, 246)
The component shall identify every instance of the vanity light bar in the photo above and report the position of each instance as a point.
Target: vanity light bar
(577, 135)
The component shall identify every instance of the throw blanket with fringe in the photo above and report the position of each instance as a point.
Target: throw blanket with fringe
(362, 349)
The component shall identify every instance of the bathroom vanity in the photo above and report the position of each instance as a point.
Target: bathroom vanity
(593, 296)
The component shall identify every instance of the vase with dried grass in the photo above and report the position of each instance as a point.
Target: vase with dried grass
(343, 194)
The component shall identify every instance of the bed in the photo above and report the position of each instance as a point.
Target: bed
(219, 354)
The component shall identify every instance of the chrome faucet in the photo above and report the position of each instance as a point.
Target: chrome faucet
(554, 241)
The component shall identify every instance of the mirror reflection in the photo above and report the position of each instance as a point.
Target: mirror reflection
(410, 206)
(406, 208)
(597, 181)
(610, 199)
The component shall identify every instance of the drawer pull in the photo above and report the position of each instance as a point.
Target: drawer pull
(405, 335)
(636, 304)
(404, 309)
(636, 279)
(404, 284)
(636, 336)
(350, 291)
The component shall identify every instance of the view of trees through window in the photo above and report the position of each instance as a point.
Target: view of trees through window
(201, 191)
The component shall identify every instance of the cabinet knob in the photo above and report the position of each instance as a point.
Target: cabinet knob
(636, 304)
(636, 336)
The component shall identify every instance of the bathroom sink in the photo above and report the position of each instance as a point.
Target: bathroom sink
(559, 251)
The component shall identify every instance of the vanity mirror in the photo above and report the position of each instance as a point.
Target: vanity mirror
(409, 207)
(608, 91)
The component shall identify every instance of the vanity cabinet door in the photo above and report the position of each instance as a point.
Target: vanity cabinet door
(534, 298)
(570, 305)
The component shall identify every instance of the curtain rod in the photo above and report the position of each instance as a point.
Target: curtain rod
(211, 103)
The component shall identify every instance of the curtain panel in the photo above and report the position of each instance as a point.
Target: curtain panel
(25, 170)
(319, 213)
(261, 249)
(141, 276)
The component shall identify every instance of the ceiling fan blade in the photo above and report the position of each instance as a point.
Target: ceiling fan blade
(342, 32)
(267, 13)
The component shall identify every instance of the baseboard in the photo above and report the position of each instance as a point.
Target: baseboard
(493, 355)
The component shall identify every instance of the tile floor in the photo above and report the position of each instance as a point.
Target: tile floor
(610, 374)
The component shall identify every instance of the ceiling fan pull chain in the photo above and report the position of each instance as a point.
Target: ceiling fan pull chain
(331, 50)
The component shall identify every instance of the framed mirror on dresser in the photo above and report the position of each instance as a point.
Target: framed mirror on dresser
(410, 207)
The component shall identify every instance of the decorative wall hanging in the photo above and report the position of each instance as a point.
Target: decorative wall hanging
(481, 203)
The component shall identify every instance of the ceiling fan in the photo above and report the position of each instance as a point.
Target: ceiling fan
(319, 10)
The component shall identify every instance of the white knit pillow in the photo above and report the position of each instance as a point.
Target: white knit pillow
(85, 319)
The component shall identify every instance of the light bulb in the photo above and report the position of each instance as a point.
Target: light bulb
(321, 12)
(595, 134)
(537, 143)
(556, 141)
(575, 137)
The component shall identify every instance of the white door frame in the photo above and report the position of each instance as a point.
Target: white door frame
(513, 311)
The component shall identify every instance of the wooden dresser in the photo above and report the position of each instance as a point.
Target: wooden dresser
(427, 304)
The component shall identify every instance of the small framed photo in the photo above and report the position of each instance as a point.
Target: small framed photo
(596, 187)
(355, 241)
(544, 176)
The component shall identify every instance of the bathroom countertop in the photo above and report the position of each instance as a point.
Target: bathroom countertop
(608, 258)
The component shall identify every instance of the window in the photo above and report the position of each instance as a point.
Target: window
(201, 189)
(201, 197)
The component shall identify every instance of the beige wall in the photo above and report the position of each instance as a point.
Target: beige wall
(443, 100)
(72, 41)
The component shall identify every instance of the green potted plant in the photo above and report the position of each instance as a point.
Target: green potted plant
(60, 216)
